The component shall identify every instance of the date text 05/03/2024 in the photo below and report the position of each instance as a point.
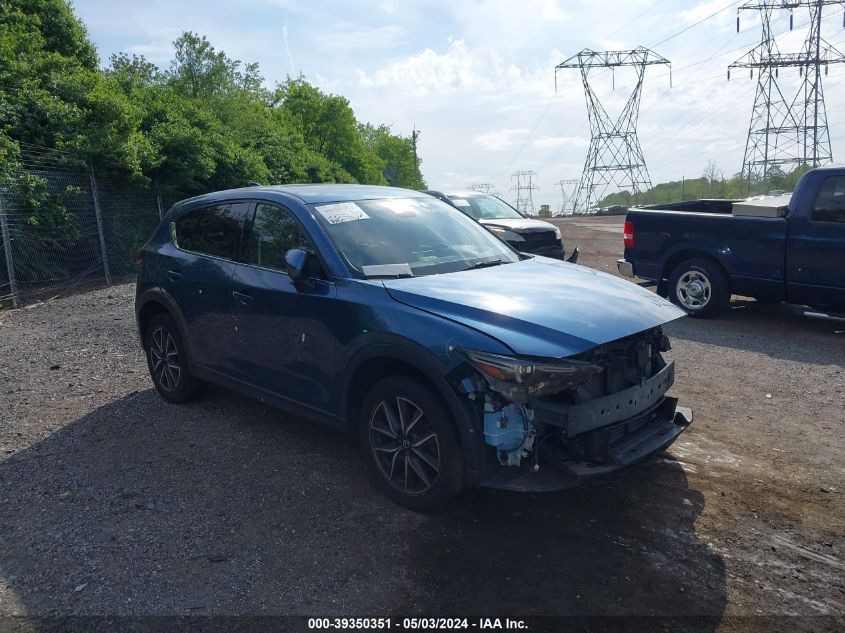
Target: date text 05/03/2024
(429, 624)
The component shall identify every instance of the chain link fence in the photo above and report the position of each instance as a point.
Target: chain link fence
(63, 229)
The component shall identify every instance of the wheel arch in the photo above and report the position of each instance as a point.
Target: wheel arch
(682, 255)
(158, 301)
(378, 361)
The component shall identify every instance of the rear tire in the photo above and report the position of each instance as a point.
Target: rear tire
(168, 362)
(409, 442)
(700, 288)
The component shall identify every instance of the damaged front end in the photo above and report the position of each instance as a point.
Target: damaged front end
(554, 423)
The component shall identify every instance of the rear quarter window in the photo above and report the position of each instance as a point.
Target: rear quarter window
(830, 201)
(214, 231)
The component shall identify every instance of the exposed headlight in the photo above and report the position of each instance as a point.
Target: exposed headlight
(557, 233)
(505, 234)
(520, 380)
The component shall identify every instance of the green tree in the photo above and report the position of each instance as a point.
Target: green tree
(401, 167)
(329, 128)
(206, 122)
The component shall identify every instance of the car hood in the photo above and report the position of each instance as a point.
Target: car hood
(519, 225)
(539, 307)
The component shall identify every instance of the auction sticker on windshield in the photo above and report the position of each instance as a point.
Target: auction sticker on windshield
(341, 212)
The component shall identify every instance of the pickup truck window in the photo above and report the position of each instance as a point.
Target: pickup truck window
(830, 201)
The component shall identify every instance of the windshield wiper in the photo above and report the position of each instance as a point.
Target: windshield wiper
(495, 262)
(387, 271)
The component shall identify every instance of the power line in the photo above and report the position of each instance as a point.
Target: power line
(615, 156)
(524, 188)
(693, 25)
(531, 133)
(635, 18)
(631, 21)
(787, 131)
(568, 191)
(698, 118)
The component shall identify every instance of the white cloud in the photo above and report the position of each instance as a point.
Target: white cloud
(426, 72)
(499, 140)
(351, 38)
(506, 24)
(554, 142)
(478, 94)
(703, 10)
(483, 74)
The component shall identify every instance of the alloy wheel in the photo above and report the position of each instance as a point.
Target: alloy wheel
(694, 290)
(405, 445)
(166, 363)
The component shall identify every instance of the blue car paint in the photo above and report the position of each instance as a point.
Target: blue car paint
(539, 307)
(298, 349)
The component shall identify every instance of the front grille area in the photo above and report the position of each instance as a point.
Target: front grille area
(541, 238)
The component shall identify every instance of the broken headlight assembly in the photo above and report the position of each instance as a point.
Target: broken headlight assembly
(520, 380)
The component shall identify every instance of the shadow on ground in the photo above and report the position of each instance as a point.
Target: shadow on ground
(225, 507)
(777, 330)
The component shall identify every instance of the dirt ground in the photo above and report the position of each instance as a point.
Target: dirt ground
(113, 502)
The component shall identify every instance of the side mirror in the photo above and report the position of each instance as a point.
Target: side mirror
(296, 265)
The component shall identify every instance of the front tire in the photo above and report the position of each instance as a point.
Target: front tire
(168, 361)
(409, 442)
(700, 288)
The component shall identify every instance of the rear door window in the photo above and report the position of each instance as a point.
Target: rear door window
(214, 230)
(830, 201)
(274, 232)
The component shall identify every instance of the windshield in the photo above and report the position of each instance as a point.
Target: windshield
(398, 237)
(484, 207)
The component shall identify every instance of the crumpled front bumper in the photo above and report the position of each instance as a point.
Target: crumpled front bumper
(608, 450)
(555, 251)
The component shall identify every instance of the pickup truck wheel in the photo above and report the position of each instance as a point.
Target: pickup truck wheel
(409, 441)
(700, 288)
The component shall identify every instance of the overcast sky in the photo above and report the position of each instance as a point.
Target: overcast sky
(477, 76)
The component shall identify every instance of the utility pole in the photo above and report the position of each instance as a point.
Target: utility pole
(414, 134)
(567, 192)
(524, 188)
(786, 131)
(615, 156)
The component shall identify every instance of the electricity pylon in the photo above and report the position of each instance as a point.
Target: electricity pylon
(615, 156)
(567, 192)
(524, 188)
(484, 187)
(787, 131)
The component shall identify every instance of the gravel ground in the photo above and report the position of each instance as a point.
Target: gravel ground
(113, 502)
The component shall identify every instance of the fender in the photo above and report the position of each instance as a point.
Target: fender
(160, 295)
(433, 368)
(720, 253)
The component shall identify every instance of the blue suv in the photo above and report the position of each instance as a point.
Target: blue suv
(389, 314)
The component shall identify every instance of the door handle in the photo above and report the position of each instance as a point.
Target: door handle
(174, 275)
(243, 297)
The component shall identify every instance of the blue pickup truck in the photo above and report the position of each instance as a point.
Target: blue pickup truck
(776, 248)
